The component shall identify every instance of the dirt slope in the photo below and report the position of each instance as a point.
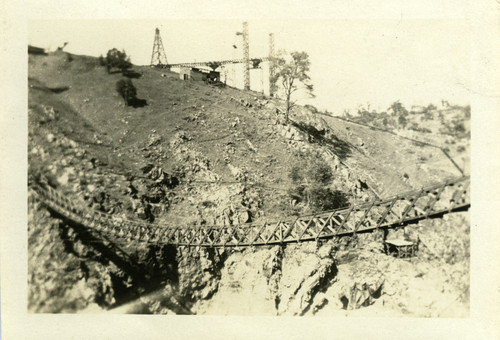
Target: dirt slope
(219, 123)
(392, 163)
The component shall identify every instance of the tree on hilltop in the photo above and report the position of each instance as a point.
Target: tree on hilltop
(293, 72)
(117, 59)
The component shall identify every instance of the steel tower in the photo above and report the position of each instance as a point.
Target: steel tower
(246, 56)
(272, 81)
(158, 57)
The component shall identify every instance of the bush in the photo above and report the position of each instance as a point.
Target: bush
(311, 108)
(319, 197)
(402, 121)
(429, 108)
(414, 126)
(397, 109)
(467, 111)
(117, 59)
(328, 199)
(127, 90)
(311, 170)
(458, 127)
(311, 178)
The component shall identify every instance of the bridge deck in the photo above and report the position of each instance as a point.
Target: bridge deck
(395, 211)
(214, 64)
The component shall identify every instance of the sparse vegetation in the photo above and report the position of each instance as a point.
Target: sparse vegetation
(451, 121)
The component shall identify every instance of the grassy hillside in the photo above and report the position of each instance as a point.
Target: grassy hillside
(235, 135)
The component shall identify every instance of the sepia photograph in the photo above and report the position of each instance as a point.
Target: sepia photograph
(223, 167)
(251, 166)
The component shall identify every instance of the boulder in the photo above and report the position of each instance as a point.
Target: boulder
(293, 133)
(298, 288)
(237, 173)
(154, 139)
(48, 114)
(50, 138)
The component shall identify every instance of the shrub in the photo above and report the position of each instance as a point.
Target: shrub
(458, 127)
(414, 126)
(127, 90)
(117, 59)
(328, 199)
(467, 111)
(430, 107)
(311, 108)
(311, 178)
(397, 109)
(312, 169)
(402, 121)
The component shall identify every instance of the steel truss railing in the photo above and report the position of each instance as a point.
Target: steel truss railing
(392, 212)
(214, 64)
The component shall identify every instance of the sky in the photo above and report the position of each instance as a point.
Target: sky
(354, 62)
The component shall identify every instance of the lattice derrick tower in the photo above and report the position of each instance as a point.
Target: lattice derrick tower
(272, 81)
(246, 56)
(158, 57)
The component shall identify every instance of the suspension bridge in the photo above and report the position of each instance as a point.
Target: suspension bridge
(405, 208)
